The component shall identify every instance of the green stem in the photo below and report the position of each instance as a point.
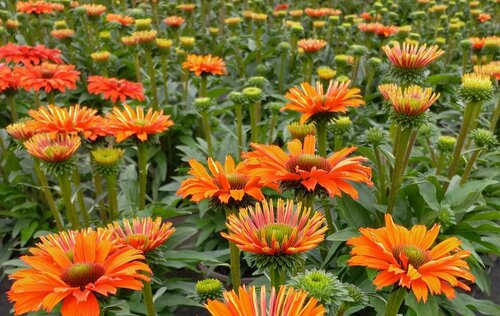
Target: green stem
(470, 165)
(401, 148)
(234, 255)
(321, 134)
(281, 77)
(66, 193)
(254, 121)
(496, 115)
(329, 220)
(464, 129)
(239, 124)
(337, 145)
(164, 68)
(147, 293)
(80, 198)
(381, 175)
(12, 106)
(208, 132)
(473, 123)
(355, 70)
(154, 10)
(44, 186)
(427, 145)
(272, 125)
(277, 277)
(440, 163)
(342, 309)
(152, 77)
(308, 68)
(142, 160)
(137, 66)
(258, 44)
(112, 196)
(395, 300)
(369, 81)
(203, 86)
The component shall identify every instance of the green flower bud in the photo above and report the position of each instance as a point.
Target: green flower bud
(297, 29)
(335, 20)
(253, 94)
(341, 60)
(465, 44)
(476, 88)
(136, 13)
(358, 297)
(343, 78)
(274, 107)
(202, 104)
(80, 11)
(341, 125)
(483, 138)
(284, 47)
(258, 81)
(357, 50)
(425, 131)
(414, 36)
(375, 63)
(106, 161)
(446, 144)
(4, 14)
(446, 216)
(209, 289)
(375, 136)
(237, 97)
(300, 131)
(262, 70)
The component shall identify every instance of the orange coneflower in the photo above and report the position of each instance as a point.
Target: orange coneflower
(405, 257)
(226, 184)
(202, 65)
(49, 149)
(186, 7)
(124, 20)
(311, 45)
(58, 7)
(366, 16)
(413, 100)
(492, 70)
(48, 77)
(62, 33)
(144, 234)
(483, 17)
(478, 42)
(315, 102)
(19, 131)
(386, 89)
(412, 56)
(114, 89)
(76, 279)
(93, 10)
(317, 13)
(74, 120)
(288, 301)
(290, 230)
(29, 55)
(8, 79)
(281, 7)
(302, 169)
(34, 7)
(128, 122)
(174, 21)
(378, 28)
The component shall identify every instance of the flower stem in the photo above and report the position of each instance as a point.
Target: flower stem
(147, 292)
(464, 129)
(440, 163)
(12, 106)
(254, 112)
(355, 70)
(272, 125)
(308, 68)
(203, 86)
(234, 255)
(112, 196)
(470, 165)
(381, 176)
(44, 186)
(137, 66)
(208, 132)
(152, 77)
(322, 132)
(164, 68)
(277, 277)
(79, 197)
(66, 193)
(142, 160)
(402, 146)
(281, 77)
(394, 302)
(496, 115)
(98, 193)
(238, 112)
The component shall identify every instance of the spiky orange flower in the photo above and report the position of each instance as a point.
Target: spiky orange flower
(314, 102)
(49, 149)
(386, 89)
(48, 77)
(311, 45)
(316, 13)
(128, 122)
(477, 42)
(290, 230)
(19, 131)
(378, 28)
(34, 7)
(8, 78)
(76, 278)
(74, 120)
(302, 169)
(288, 301)
(114, 89)
(144, 234)
(405, 258)
(94, 10)
(29, 55)
(483, 17)
(203, 65)
(174, 21)
(228, 184)
(124, 20)
(492, 70)
(413, 100)
(412, 56)
(62, 33)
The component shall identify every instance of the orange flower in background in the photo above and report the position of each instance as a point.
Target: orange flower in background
(76, 280)
(58, 7)
(186, 7)
(203, 65)
(124, 20)
(129, 122)
(412, 56)
(34, 7)
(49, 149)
(316, 13)
(29, 55)
(483, 17)
(48, 77)
(174, 21)
(378, 28)
(405, 258)
(492, 70)
(8, 78)
(228, 184)
(290, 230)
(366, 16)
(303, 169)
(287, 302)
(94, 10)
(114, 89)
(144, 234)
(477, 42)
(311, 45)
(413, 100)
(62, 33)
(387, 89)
(19, 131)
(74, 120)
(315, 102)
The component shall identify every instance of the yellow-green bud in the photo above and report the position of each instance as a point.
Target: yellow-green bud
(446, 144)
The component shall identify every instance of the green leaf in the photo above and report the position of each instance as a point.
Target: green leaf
(430, 307)
(428, 192)
(343, 235)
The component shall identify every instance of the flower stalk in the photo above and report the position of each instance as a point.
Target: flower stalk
(152, 77)
(277, 277)
(79, 196)
(322, 132)
(142, 160)
(234, 256)
(44, 186)
(147, 292)
(395, 300)
(66, 193)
